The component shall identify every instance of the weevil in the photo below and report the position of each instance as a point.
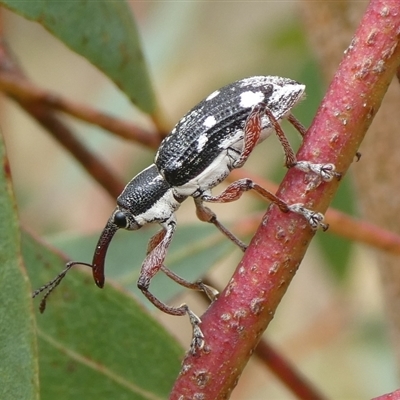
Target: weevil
(213, 138)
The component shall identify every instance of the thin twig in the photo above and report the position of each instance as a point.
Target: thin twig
(46, 117)
(91, 162)
(289, 375)
(20, 88)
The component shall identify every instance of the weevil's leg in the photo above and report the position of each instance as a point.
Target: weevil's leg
(200, 286)
(252, 132)
(325, 171)
(198, 336)
(297, 124)
(211, 292)
(206, 215)
(235, 190)
(157, 250)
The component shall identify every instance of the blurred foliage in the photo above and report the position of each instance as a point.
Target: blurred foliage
(106, 35)
(97, 344)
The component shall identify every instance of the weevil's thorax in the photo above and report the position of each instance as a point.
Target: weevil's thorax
(147, 198)
(202, 148)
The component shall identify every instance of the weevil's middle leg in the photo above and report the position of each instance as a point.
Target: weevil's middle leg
(211, 292)
(206, 215)
(235, 190)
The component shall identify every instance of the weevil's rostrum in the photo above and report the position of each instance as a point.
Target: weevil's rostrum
(215, 137)
(212, 132)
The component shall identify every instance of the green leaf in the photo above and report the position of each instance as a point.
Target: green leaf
(194, 249)
(104, 32)
(97, 344)
(18, 360)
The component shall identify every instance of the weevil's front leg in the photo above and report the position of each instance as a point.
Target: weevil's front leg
(199, 285)
(235, 190)
(157, 250)
(206, 215)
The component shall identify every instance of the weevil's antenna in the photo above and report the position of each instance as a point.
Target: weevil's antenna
(50, 286)
(97, 265)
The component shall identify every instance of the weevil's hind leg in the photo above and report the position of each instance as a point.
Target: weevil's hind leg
(252, 133)
(153, 263)
(235, 190)
(325, 171)
(206, 215)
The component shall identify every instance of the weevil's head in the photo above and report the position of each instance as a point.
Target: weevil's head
(146, 198)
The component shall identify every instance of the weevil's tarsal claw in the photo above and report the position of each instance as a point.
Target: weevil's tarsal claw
(211, 292)
(198, 340)
(99, 256)
(325, 171)
(315, 219)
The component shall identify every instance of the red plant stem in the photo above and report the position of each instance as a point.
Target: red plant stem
(389, 396)
(234, 323)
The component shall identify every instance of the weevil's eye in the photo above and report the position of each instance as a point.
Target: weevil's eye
(120, 220)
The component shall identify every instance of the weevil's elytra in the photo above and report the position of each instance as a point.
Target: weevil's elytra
(216, 125)
(216, 136)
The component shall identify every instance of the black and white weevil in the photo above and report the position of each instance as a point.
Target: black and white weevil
(213, 138)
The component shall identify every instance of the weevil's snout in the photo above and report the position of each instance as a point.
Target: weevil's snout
(120, 219)
(100, 252)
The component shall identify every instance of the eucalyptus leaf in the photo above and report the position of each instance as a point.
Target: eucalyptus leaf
(18, 360)
(97, 344)
(194, 250)
(104, 32)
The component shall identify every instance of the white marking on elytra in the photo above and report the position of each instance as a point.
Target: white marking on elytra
(250, 99)
(212, 95)
(210, 121)
(201, 141)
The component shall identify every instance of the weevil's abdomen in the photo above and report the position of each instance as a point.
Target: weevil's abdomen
(214, 128)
